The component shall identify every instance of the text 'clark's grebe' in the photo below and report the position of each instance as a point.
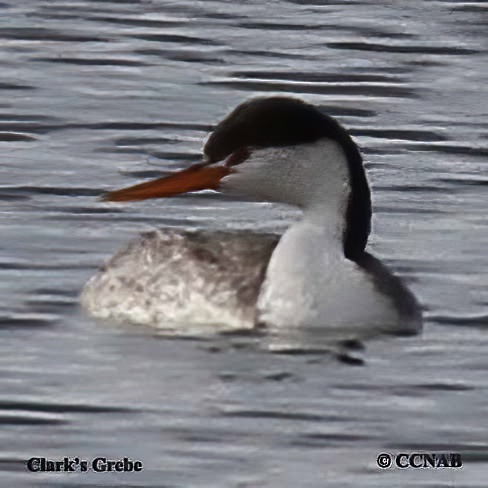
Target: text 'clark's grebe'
(317, 275)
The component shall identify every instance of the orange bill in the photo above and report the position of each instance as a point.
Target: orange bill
(195, 178)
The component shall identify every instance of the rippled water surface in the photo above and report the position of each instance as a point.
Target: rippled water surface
(100, 94)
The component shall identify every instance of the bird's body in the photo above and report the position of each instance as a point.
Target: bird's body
(317, 275)
(184, 281)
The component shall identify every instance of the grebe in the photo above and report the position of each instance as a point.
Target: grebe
(317, 275)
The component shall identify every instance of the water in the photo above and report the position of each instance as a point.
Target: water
(101, 94)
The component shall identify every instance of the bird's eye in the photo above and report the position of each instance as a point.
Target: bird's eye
(238, 156)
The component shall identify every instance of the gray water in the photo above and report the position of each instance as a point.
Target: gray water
(100, 94)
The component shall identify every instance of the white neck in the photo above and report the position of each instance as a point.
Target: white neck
(308, 280)
(310, 283)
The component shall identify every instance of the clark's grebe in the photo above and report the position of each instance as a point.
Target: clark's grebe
(317, 275)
